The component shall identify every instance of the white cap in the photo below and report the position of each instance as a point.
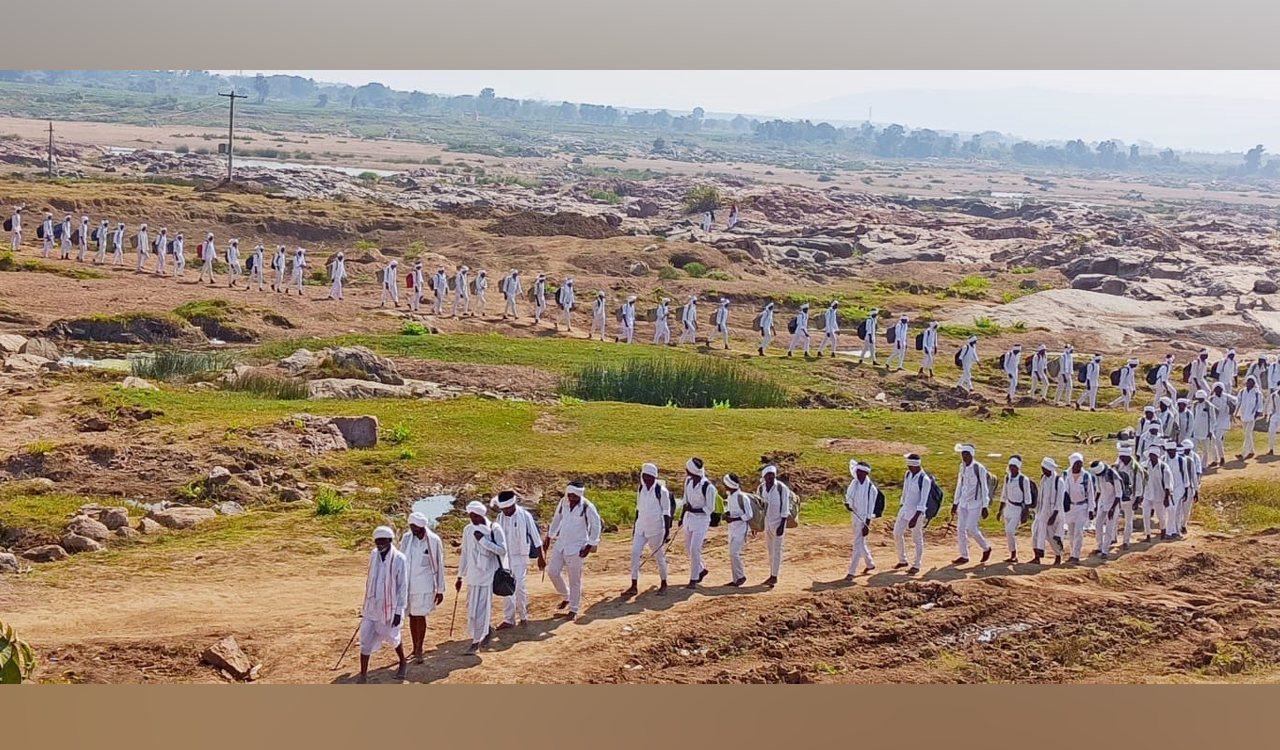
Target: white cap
(384, 532)
(1074, 457)
(694, 466)
(770, 469)
(418, 519)
(477, 507)
(1049, 463)
(650, 469)
(1015, 461)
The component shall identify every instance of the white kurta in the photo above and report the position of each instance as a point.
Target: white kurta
(479, 560)
(385, 598)
(573, 528)
(425, 558)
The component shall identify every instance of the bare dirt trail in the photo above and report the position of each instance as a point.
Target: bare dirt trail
(294, 605)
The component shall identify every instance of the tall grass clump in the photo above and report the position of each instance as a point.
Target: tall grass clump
(268, 387)
(696, 384)
(170, 365)
(329, 502)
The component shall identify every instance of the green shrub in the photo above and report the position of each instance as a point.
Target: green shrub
(667, 273)
(170, 365)
(268, 387)
(719, 275)
(366, 245)
(398, 434)
(412, 328)
(17, 661)
(1023, 269)
(608, 196)
(368, 176)
(39, 448)
(695, 384)
(407, 454)
(695, 269)
(181, 149)
(970, 287)
(330, 503)
(700, 199)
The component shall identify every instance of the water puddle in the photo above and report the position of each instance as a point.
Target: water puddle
(433, 507)
(99, 363)
(983, 634)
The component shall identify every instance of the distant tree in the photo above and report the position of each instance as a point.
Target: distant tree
(1253, 159)
(1168, 158)
(568, 112)
(1107, 151)
(699, 113)
(739, 124)
(261, 87)
(662, 119)
(659, 146)
(889, 141)
(1135, 154)
(322, 101)
(1272, 168)
(486, 94)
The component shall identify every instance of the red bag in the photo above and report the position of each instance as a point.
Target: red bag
(408, 279)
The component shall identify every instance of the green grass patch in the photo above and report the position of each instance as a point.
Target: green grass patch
(695, 269)
(330, 503)
(700, 199)
(269, 387)
(8, 262)
(412, 328)
(1250, 504)
(36, 512)
(970, 287)
(698, 384)
(608, 196)
(719, 275)
(171, 365)
(1022, 270)
(398, 434)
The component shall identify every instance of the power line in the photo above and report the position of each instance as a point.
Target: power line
(231, 124)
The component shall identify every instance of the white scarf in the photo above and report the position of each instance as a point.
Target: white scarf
(388, 595)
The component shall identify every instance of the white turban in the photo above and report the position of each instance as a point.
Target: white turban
(383, 532)
(417, 519)
(731, 481)
(912, 459)
(965, 448)
(1096, 468)
(1124, 450)
(650, 469)
(573, 488)
(1074, 457)
(694, 466)
(507, 503)
(477, 507)
(1015, 461)
(770, 469)
(1049, 463)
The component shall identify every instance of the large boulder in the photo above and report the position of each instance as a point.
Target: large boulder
(149, 526)
(128, 532)
(114, 518)
(24, 364)
(1265, 286)
(1088, 281)
(226, 654)
(359, 432)
(88, 527)
(218, 476)
(350, 388)
(46, 553)
(75, 543)
(299, 361)
(642, 209)
(43, 348)
(8, 562)
(367, 361)
(181, 517)
(1105, 266)
(11, 343)
(637, 268)
(230, 508)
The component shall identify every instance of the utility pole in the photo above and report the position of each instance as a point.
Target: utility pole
(231, 124)
(51, 148)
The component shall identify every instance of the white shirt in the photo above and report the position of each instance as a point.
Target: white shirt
(777, 503)
(481, 557)
(1051, 490)
(972, 486)
(1080, 492)
(460, 284)
(1250, 403)
(722, 317)
(1040, 365)
(690, 317)
(653, 506)
(831, 320)
(860, 499)
(930, 340)
(900, 334)
(969, 354)
(915, 494)
(802, 320)
(522, 531)
(871, 325)
(375, 596)
(425, 559)
(1128, 381)
(766, 319)
(737, 506)
(1159, 481)
(1017, 491)
(575, 527)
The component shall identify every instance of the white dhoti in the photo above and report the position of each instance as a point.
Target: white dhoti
(1247, 425)
(479, 611)
(1043, 533)
(516, 606)
(860, 550)
(1012, 520)
(653, 540)
(773, 542)
(738, 532)
(829, 342)
(801, 335)
(335, 289)
(374, 634)
(570, 561)
(695, 534)
(899, 355)
(927, 363)
(967, 527)
(421, 605)
(901, 529)
(1076, 524)
(766, 338)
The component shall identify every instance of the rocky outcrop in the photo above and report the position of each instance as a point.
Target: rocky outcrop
(181, 517)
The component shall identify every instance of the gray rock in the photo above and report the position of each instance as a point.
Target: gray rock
(820, 257)
(11, 343)
(75, 544)
(253, 478)
(367, 361)
(1088, 281)
(1265, 286)
(638, 268)
(1113, 285)
(359, 432)
(226, 654)
(299, 361)
(230, 508)
(291, 495)
(138, 383)
(218, 476)
(46, 553)
(149, 526)
(127, 532)
(114, 518)
(642, 209)
(43, 348)
(181, 517)
(86, 526)
(349, 388)
(1028, 284)
(39, 485)
(24, 364)
(8, 562)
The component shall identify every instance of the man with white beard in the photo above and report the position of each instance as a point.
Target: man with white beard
(46, 232)
(599, 316)
(523, 541)
(1017, 500)
(424, 557)
(65, 244)
(1224, 405)
(1134, 478)
(1198, 372)
(699, 503)
(801, 334)
(483, 547)
(1273, 418)
(830, 328)
(1040, 373)
(722, 322)
(84, 238)
(418, 283)
(462, 292)
(539, 297)
(1046, 527)
(869, 337)
(1251, 406)
(440, 287)
(777, 497)
(117, 242)
(386, 594)
(916, 486)
(652, 527)
(929, 347)
(207, 255)
(1092, 379)
(1157, 493)
(901, 333)
(1108, 488)
(969, 504)
(661, 322)
(1079, 503)
(277, 265)
(511, 290)
(256, 262)
(482, 285)
(1066, 377)
(234, 269)
(1012, 365)
(1128, 385)
(860, 500)
(390, 284)
(575, 528)
(766, 329)
(1228, 368)
(565, 298)
(337, 272)
(737, 515)
(967, 358)
(689, 321)
(144, 246)
(628, 321)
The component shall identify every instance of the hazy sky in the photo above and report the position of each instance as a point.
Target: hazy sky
(1181, 111)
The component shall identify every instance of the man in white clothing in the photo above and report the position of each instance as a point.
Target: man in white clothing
(511, 289)
(766, 328)
(699, 503)
(144, 245)
(1273, 418)
(1012, 365)
(337, 272)
(599, 316)
(1224, 405)
(483, 547)
(46, 235)
(899, 333)
(1157, 493)
(1250, 405)
(652, 527)
(1040, 373)
(916, 486)
(860, 499)
(778, 500)
(482, 286)
(524, 542)
(162, 249)
(462, 292)
(1079, 503)
(868, 337)
(84, 238)
(1046, 527)
(830, 328)
(179, 256)
(117, 244)
(689, 321)
(207, 255)
(278, 262)
(802, 331)
(1092, 379)
(1133, 477)
(1017, 500)
(737, 515)
(102, 238)
(64, 235)
(386, 594)
(1198, 371)
(1066, 377)
(565, 299)
(439, 287)
(929, 346)
(966, 359)
(234, 270)
(1195, 470)
(539, 297)
(256, 261)
(424, 556)
(1181, 469)
(1228, 368)
(661, 322)
(298, 269)
(1108, 487)
(575, 528)
(970, 503)
(627, 321)
(15, 243)
(390, 284)
(418, 285)
(1128, 385)
(722, 322)
(1164, 379)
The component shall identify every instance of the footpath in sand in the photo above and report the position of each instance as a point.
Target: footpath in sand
(1203, 608)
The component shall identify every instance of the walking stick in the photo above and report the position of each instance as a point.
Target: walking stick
(454, 619)
(344, 651)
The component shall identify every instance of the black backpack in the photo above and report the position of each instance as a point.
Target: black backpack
(879, 508)
(57, 231)
(862, 329)
(1115, 377)
(920, 341)
(504, 583)
(40, 231)
(1215, 370)
(891, 334)
(933, 503)
(8, 225)
(1082, 373)
(533, 546)
(792, 325)
(1153, 374)
(958, 353)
